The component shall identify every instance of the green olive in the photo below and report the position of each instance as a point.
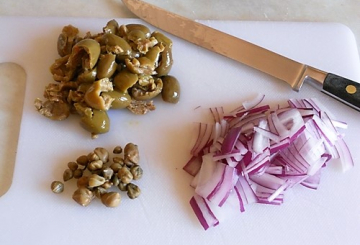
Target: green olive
(106, 66)
(67, 39)
(146, 64)
(124, 80)
(171, 89)
(165, 62)
(121, 100)
(166, 59)
(83, 87)
(87, 76)
(162, 38)
(126, 29)
(152, 56)
(98, 123)
(111, 27)
(92, 51)
(94, 98)
(60, 71)
(116, 44)
(142, 94)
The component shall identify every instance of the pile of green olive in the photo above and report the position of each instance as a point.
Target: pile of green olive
(125, 66)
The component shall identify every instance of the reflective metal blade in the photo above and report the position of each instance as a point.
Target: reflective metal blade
(222, 43)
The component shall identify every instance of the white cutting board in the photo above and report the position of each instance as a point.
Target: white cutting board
(31, 214)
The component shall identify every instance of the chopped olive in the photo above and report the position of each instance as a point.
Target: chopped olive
(121, 67)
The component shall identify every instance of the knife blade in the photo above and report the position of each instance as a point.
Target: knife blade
(292, 72)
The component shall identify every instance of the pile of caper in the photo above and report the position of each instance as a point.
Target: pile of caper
(96, 174)
(124, 66)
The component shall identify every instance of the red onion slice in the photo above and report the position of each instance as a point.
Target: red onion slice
(254, 154)
(230, 140)
(203, 212)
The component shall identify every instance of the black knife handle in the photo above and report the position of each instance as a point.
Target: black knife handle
(343, 89)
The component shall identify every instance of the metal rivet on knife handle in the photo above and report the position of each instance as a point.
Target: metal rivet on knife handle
(351, 89)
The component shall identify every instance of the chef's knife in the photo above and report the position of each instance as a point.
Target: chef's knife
(283, 68)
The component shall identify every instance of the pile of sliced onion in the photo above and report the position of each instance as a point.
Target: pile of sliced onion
(254, 154)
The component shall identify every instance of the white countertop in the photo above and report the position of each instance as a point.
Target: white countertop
(341, 11)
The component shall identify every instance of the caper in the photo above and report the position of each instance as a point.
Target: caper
(92, 156)
(115, 180)
(118, 160)
(73, 166)
(96, 180)
(68, 174)
(98, 123)
(102, 153)
(125, 175)
(95, 165)
(57, 187)
(78, 173)
(99, 191)
(122, 186)
(83, 181)
(106, 66)
(107, 173)
(111, 199)
(116, 166)
(120, 99)
(171, 89)
(131, 153)
(82, 160)
(107, 185)
(133, 191)
(117, 150)
(83, 196)
(136, 171)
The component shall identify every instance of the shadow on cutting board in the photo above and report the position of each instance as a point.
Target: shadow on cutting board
(12, 93)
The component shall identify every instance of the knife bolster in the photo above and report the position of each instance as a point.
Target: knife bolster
(313, 76)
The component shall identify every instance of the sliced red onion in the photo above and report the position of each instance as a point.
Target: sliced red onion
(312, 182)
(216, 180)
(245, 192)
(269, 196)
(192, 167)
(205, 131)
(254, 154)
(230, 140)
(203, 212)
(254, 102)
(344, 155)
(261, 142)
(218, 113)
